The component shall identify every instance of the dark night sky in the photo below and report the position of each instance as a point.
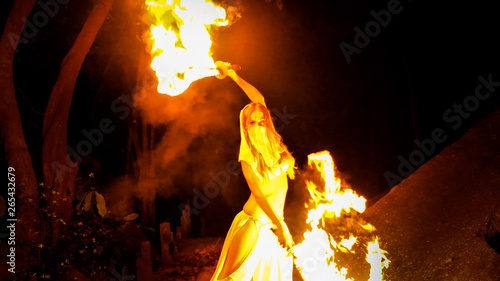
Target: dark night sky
(366, 112)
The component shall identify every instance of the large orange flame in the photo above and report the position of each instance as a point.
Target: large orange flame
(181, 44)
(315, 256)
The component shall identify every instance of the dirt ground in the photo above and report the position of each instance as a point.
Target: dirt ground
(196, 260)
(441, 223)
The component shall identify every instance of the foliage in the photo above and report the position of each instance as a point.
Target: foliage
(88, 198)
(93, 198)
(93, 243)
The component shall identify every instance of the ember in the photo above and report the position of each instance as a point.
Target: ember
(335, 232)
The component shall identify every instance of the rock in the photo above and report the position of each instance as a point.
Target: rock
(205, 273)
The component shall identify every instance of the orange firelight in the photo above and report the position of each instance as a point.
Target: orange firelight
(315, 255)
(181, 43)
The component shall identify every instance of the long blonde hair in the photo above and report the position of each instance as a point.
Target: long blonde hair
(272, 134)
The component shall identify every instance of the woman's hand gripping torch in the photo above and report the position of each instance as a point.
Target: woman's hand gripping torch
(290, 252)
(224, 67)
(286, 241)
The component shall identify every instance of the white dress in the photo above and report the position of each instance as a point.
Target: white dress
(267, 260)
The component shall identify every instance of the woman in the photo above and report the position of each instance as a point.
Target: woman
(255, 243)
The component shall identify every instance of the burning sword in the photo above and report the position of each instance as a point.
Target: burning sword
(295, 259)
(180, 41)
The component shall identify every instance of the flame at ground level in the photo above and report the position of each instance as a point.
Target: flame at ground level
(333, 208)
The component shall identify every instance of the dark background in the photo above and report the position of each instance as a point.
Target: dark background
(367, 112)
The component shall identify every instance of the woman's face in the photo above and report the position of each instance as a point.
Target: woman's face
(257, 119)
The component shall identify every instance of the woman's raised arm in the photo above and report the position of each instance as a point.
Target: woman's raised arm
(252, 92)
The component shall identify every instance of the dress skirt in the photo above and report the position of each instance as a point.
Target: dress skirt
(267, 260)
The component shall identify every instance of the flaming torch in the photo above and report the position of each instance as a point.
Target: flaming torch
(333, 208)
(181, 43)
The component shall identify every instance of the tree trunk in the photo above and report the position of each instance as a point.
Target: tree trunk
(11, 130)
(59, 171)
(146, 183)
(145, 158)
